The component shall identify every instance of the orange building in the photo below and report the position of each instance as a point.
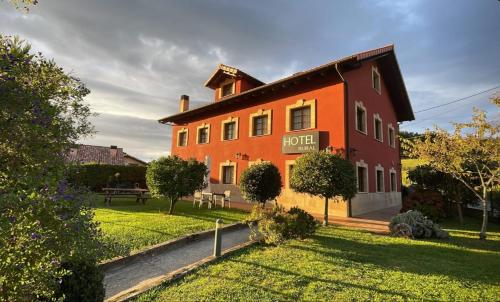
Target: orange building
(352, 105)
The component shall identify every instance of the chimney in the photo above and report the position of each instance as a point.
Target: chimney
(184, 103)
(113, 150)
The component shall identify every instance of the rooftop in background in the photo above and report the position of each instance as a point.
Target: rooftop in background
(112, 155)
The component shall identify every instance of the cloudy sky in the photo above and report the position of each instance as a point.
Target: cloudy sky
(138, 57)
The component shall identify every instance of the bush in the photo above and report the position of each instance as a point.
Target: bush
(260, 182)
(84, 283)
(414, 224)
(325, 175)
(95, 177)
(301, 224)
(172, 177)
(275, 226)
(429, 203)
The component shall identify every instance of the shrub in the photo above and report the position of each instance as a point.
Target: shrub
(84, 283)
(325, 175)
(302, 224)
(429, 203)
(172, 177)
(275, 226)
(95, 177)
(260, 182)
(420, 226)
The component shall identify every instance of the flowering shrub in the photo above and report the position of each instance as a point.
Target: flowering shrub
(44, 222)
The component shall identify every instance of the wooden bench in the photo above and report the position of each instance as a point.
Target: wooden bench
(140, 194)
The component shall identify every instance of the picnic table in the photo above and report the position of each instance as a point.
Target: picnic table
(140, 194)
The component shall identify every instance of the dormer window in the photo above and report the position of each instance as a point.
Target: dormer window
(227, 89)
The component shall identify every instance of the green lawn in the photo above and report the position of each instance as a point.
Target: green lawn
(341, 264)
(139, 226)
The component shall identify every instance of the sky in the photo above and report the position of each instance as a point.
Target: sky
(138, 57)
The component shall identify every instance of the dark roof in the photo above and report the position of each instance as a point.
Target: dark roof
(388, 65)
(223, 71)
(96, 154)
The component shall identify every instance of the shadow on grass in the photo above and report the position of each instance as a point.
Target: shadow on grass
(419, 259)
(306, 279)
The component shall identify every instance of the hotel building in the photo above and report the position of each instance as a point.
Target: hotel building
(352, 105)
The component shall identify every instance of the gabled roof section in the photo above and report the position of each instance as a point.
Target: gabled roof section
(385, 55)
(223, 71)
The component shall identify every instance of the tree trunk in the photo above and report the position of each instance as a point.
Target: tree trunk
(171, 208)
(482, 235)
(460, 215)
(325, 217)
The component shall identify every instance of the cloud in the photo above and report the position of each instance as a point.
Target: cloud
(138, 57)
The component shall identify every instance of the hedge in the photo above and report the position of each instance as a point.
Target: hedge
(96, 177)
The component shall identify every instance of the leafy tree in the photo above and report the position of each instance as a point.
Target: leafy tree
(261, 182)
(424, 177)
(405, 140)
(470, 154)
(44, 223)
(172, 177)
(324, 174)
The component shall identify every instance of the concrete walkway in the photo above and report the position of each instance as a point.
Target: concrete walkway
(130, 274)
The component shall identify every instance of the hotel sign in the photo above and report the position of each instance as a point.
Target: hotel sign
(301, 142)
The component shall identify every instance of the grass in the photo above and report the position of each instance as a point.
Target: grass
(341, 264)
(407, 165)
(139, 226)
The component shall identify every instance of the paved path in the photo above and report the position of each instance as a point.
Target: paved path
(130, 274)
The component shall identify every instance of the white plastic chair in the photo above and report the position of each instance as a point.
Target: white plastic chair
(227, 197)
(197, 197)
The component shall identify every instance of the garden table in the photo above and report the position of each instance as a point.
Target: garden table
(139, 193)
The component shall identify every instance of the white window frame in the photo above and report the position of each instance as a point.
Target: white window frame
(359, 104)
(376, 117)
(204, 125)
(227, 82)
(392, 143)
(379, 168)
(393, 171)
(183, 130)
(230, 119)
(364, 165)
(375, 71)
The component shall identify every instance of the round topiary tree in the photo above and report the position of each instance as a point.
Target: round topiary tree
(172, 177)
(261, 182)
(324, 174)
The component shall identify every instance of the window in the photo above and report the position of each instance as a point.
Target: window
(360, 117)
(289, 164)
(379, 178)
(227, 174)
(203, 134)
(227, 89)
(391, 136)
(376, 79)
(229, 129)
(182, 137)
(260, 123)
(301, 118)
(377, 124)
(362, 176)
(393, 180)
(301, 115)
